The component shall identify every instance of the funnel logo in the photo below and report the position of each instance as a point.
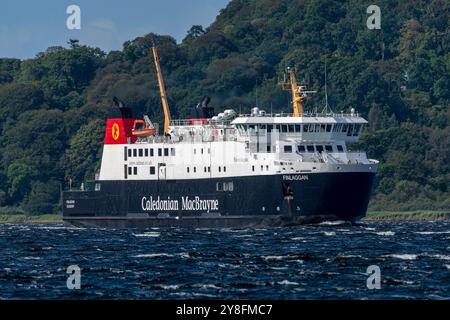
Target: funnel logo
(115, 131)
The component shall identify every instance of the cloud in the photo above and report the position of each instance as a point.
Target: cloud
(104, 24)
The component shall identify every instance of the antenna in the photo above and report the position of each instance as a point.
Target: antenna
(256, 92)
(325, 110)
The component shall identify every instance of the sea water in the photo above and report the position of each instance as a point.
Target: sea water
(325, 261)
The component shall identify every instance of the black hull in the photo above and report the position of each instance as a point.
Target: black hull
(277, 200)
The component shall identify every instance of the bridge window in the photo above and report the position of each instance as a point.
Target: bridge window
(340, 148)
(345, 128)
(146, 152)
(301, 149)
(224, 169)
(130, 171)
(166, 152)
(141, 153)
(134, 152)
(310, 148)
(328, 148)
(287, 149)
(187, 169)
(284, 128)
(319, 148)
(356, 130)
(298, 128)
(159, 152)
(152, 152)
(152, 171)
(135, 170)
(195, 169)
(220, 169)
(329, 126)
(350, 129)
(291, 128)
(129, 153)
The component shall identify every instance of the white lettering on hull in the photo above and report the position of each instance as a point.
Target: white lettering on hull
(298, 177)
(187, 204)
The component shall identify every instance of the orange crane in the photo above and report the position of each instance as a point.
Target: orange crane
(162, 91)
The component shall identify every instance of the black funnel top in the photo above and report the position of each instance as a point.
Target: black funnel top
(124, 111)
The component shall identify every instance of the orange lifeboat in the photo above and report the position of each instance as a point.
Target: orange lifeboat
(141, 129)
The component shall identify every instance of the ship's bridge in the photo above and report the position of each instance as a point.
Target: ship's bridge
(314, 127)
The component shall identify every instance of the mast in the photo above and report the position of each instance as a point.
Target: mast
(162, 91)
(298, 92)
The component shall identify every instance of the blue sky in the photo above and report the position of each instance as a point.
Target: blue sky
(29, 27)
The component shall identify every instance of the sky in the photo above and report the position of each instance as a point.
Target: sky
(29, 27)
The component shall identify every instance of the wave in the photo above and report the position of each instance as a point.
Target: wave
(385, 233)
(147, 234)
(402, 256)
(432, 232)
(287, 283)
(438, 256)
(153, 255)
(169, 287)
(333, 223)
(274, 257)
(207, 286)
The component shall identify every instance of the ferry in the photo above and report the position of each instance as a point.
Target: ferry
(228, 170)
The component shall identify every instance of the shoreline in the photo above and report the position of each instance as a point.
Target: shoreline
(418, 215)
(371, 216)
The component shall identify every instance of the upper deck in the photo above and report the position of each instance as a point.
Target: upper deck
(310, 127)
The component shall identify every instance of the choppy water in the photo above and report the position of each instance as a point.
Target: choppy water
(311, 262)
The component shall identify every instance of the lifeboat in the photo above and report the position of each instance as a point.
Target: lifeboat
(141, 129)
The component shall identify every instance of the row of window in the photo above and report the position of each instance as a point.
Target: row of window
(205, 169)
(146, 152)
(133, 171)
(201, 151)
(262, 168)
(350, 129)
(310, 148)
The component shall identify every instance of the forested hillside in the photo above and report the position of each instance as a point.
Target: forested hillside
(53, 107)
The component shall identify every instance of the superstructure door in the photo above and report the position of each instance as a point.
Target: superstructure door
(161, 171)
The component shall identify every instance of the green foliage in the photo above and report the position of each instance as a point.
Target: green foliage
(53, 107)
(82, 158)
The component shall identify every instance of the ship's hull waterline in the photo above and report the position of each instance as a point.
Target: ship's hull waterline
(251, 201)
